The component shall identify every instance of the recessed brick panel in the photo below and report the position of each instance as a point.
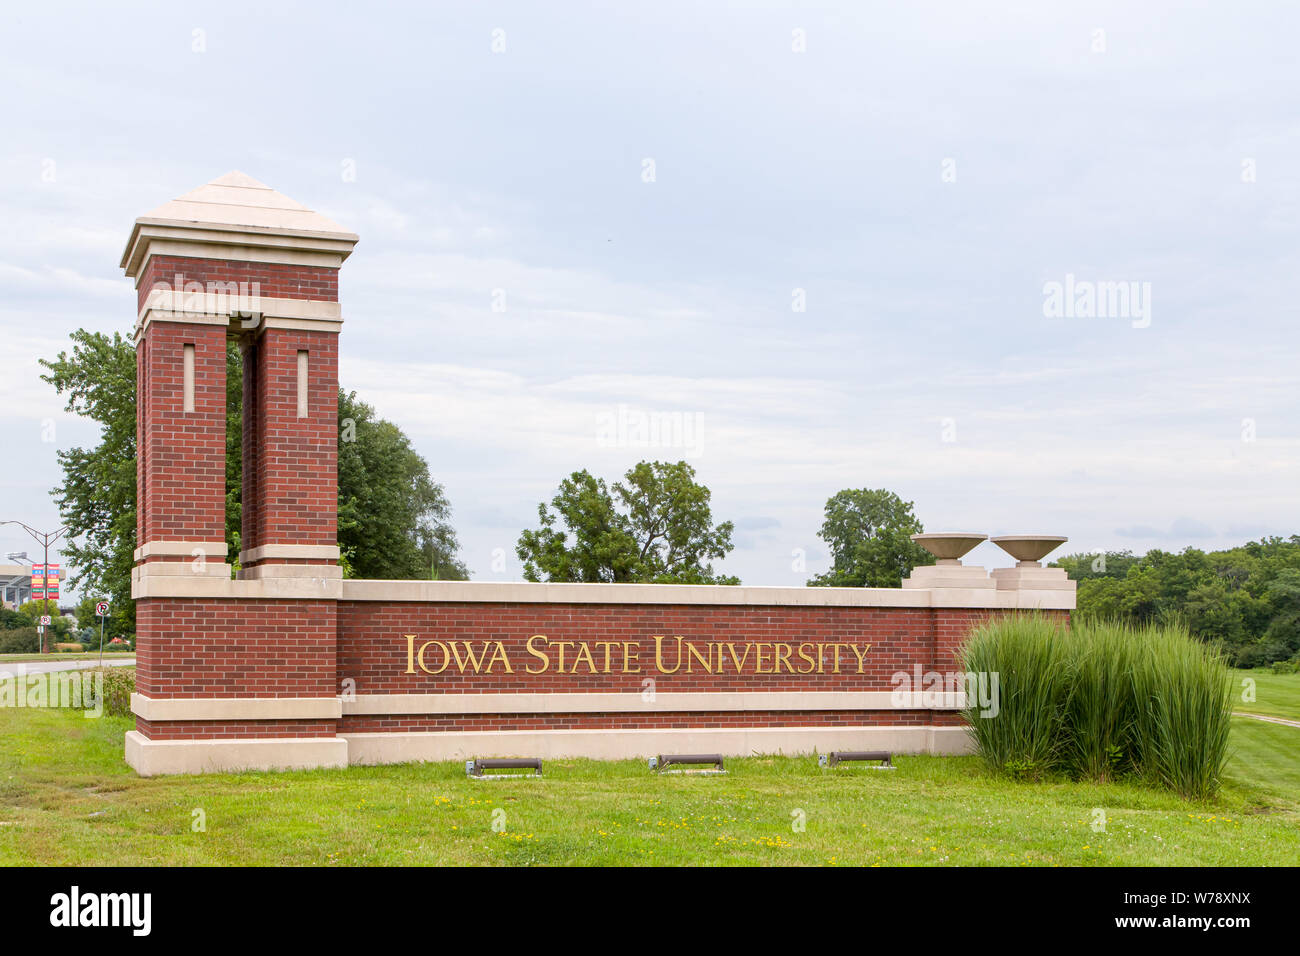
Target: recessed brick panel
(202, 648)
(293, 482)
(181, 472)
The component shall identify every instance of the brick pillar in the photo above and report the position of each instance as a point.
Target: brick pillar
(291, 436)
(181, 446)
(236, 672)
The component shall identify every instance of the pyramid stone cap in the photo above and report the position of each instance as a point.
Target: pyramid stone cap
(237, 210)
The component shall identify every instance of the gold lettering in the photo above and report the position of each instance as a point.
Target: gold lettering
(711, 656)
(469, 655)
(860, 654)
(499, 654)
(739, 661)
(540, 655)
(584, 652)
(446, 657)
(659, 655)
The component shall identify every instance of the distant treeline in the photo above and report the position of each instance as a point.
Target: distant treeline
(1245, 600)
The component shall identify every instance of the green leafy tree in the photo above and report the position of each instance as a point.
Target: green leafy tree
(1107, 564)
(10, 620)
(1243, 600)
(1282, 638)
(869, 533)
(655, 525)
(393, 518)
(32, 612)
(97, 497)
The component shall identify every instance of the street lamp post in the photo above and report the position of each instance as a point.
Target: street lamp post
(44, 539)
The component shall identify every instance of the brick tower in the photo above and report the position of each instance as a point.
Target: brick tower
(236, 672)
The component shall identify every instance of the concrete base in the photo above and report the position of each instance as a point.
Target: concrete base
(1033, 579)
(383, 748)
(967, 577)
(150, 758)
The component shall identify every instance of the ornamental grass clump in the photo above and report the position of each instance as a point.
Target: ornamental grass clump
(1184, 709)
(1098, 701)
(1101, 707)
(1030, 656)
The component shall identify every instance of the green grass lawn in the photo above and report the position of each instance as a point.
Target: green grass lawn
(1277, 695)
(66, 797)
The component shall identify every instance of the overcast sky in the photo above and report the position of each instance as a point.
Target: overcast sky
(815, 237)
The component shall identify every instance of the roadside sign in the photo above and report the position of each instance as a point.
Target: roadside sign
(101, 609)
(45, 620)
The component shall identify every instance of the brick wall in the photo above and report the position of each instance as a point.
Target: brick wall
(230, 648)
(274, 280)
(201, 648)
(373, 646)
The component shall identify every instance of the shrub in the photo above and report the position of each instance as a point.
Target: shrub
(119, 685)
(19, 640)
(77, 648)
(1100, 700)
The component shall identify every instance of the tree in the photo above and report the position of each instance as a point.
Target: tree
(1283, 635)
(1107, 564)
(654, 526)
(97, 497)
(393, 518)
(869, 533)
(32, 612)
(1244, 600)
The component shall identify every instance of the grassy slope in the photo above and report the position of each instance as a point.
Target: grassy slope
(66, 797)
(1277, 695)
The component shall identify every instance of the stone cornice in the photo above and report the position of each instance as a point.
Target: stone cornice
(246, 243)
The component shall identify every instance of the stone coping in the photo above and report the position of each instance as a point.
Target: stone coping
(506, 592)
(145, 584)
(608, 703)
(236, 708)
